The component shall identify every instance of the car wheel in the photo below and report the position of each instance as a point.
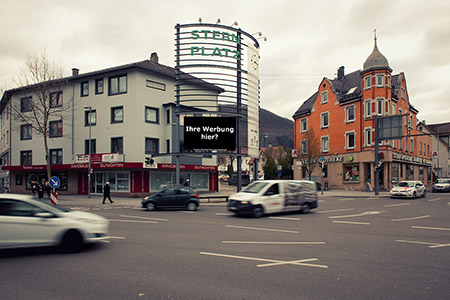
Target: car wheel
(151, 206)
(72, 242)
(424, 193)
(191, 206)
(414, 195)
(258, 211)
(305, 208)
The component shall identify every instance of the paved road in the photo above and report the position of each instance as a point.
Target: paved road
(350, 247)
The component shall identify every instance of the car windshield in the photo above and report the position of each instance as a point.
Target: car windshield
(443, 180)
(255, 187)
(406, 184)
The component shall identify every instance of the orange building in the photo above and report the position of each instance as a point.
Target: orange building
(341, 114)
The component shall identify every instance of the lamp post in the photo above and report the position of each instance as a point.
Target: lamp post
(89, 108)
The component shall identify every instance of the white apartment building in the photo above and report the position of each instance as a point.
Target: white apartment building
(131, 111)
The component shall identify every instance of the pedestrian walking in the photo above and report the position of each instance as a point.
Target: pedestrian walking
(187, 182)
(107, 193)
(40, 190)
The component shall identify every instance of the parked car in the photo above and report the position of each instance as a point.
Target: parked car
(224, 177)
(408, 189)
(441, 185)
(273, 196)
(245, 180)
(26, 222)
(172, 197)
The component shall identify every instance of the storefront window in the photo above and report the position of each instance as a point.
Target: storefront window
(161, 180)
(351, 173)
(200, 181)
(421, 174)
(394, 173)
(409, 172)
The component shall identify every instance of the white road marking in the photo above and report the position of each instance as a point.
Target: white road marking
(263, 229)
(347, 199)
(116, 237)
(366, 213)
(412, 218)
(334, 210)
(431, 245)
(354, 223)
(224, 214)
(187, 212)
(430, 228)
(272, 262)
(285, 218)
(132, 221)
(432, 200)
(399, 204)
(273, 243)
(145, 218)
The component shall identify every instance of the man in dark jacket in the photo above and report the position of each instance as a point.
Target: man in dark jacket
(107, 193)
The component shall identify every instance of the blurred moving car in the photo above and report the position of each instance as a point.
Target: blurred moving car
(441, 185)
(26, 222)
(224, 177)
(172, 197)
(408, 189)
(245, 179)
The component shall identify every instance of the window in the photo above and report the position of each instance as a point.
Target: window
(117, 145)
(304, 147)
(368, 106)
(412, 145)
(55, 129)
(117, 114)
(324, 144)
(420, 148)
(303, 125)
(367, 82)
(25, 104)
(151, 145)
(393, 109)
(56, 156)
(168, 116)
(350, 114)
(99, 86)
(25, 132)
(85, 89)
(368, 136)
(324, 120)
(380, 81)
(350, 140)
(93, 146)
(26, 158)
(351, 173)
(168, 146)
(90, 116)
(324, 97)
(155, 85)
(403, 93)
(55, 99)
(151, 115)
(118, 85)
(380, 106)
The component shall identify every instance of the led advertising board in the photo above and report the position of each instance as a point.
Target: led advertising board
(214, 133)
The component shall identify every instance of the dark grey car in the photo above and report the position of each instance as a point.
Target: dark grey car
(172, 197)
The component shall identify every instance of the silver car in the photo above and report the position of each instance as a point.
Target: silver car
(26, 222)
(441, 185)
(408, 189)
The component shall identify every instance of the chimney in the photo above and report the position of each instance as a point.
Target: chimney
(341, 73)
(154, 57)
(75, 72)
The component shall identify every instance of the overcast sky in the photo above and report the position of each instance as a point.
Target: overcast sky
(306, 40)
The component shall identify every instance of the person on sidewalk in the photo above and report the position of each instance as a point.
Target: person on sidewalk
(107, 193)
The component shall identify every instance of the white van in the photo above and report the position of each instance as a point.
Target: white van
(272, 196)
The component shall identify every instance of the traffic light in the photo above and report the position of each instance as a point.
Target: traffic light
(378, 166)
(380, 155)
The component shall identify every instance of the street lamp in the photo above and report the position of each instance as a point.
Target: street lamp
(89, 108)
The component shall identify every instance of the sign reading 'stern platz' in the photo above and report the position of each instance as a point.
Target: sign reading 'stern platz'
(218, 76)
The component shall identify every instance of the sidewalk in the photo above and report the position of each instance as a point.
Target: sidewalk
(96, 200)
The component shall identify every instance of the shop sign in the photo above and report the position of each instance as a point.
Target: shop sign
(412, 159)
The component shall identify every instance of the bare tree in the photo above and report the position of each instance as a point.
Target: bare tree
(41, 83)
(309, 152)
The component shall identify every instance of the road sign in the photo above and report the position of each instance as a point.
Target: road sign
(54, 182)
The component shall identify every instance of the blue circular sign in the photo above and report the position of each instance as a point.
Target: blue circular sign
(54, 182)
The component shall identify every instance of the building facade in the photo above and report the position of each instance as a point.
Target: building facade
(340, 120)
(440, 148)
(125, 114)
